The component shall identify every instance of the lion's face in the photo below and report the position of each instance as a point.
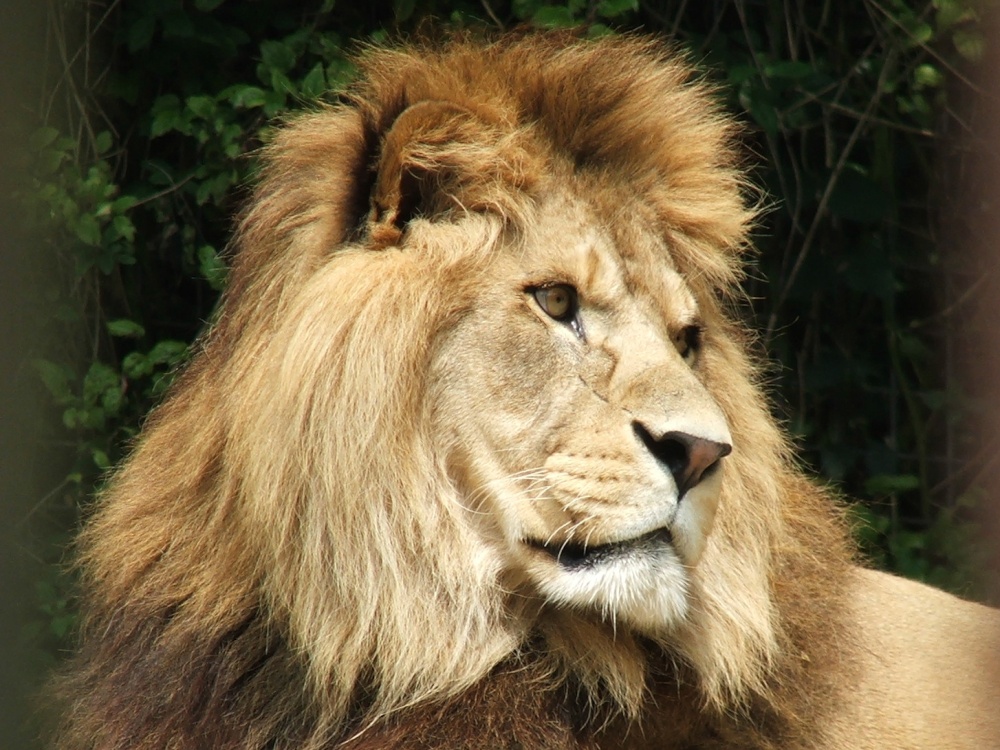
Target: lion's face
(588, 450)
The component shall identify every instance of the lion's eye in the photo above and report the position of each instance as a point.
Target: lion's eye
(689, 340)
(558, 301)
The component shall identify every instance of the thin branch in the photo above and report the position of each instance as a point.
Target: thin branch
(166, 191)
(676, 25)
(929, 50)
(492, 14)
(824, 201)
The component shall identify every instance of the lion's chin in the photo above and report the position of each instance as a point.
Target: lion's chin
(640, 582)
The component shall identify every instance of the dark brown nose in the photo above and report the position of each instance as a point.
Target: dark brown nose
(689, 458)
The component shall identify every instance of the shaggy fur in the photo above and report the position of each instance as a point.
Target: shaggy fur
(288, 560)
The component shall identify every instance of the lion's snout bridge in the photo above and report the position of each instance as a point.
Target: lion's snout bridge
(689, 458)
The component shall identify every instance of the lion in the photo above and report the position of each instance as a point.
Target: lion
(476, 454)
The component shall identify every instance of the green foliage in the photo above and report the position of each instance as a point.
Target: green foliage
(846, 107)
(136, 192)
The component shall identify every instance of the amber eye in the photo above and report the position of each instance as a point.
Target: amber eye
(558, 301)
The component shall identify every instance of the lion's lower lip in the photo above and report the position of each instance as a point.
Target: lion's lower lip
(572, 556)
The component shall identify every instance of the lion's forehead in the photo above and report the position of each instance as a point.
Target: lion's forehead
(608, 257)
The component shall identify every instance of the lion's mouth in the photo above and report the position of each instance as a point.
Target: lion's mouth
(573, 556)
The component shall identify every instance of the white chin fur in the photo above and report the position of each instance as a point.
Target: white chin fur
(647, 591)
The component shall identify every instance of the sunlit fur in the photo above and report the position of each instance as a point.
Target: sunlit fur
(291, 557)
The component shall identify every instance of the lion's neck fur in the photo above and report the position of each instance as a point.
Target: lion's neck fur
(171, 604)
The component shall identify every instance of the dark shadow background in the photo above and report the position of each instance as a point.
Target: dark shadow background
(22, 262)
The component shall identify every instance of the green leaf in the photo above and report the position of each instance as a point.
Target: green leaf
(165, 102)
(166, 115)
(123, 254)
(99, 378)
(42, 138)
(922, 34)
(121, 228)
(71, 418)
(49, 161)
(125, 328)
(314, 84)
(140, 34)
(928, 75)
(100, 458)
(47, 594)
(282, 83)
(739, 74)
(202, 106)
(93, 418)
(211, 267)
(792, 69)
(951, 12)
(598, 30)
(246, 97)
(339, 72)
(214, 188)
(403, 9)
(103, 142)
(123, 204)
(113, 400)
(88, 230)
(525, 9)
(168, 352)
(553, 17)
(135, 365)
(62, 625)
(57, 379)
(765, 115)
(277, 56)
(614, 8)
(275, 102)
(969, 43)
(891, 484)
(178, 25)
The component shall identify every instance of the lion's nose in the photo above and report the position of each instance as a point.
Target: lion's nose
(688, 457)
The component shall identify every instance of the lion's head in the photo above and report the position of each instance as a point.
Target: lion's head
(574, 423)
(474, 392)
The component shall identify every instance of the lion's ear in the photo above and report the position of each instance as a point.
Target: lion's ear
(439, 156)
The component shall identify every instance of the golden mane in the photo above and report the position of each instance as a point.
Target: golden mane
(284, 560)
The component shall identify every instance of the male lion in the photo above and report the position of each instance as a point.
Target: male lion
(475, 456)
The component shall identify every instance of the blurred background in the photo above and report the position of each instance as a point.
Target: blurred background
(870, 126)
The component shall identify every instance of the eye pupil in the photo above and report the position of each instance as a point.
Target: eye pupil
(558, 302)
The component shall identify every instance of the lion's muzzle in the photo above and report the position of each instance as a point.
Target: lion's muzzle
(689, 458)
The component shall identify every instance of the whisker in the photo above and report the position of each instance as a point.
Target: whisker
(569, 538)
(555, 531)
(533, 474)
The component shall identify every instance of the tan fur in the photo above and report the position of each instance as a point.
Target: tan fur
(330, 532)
